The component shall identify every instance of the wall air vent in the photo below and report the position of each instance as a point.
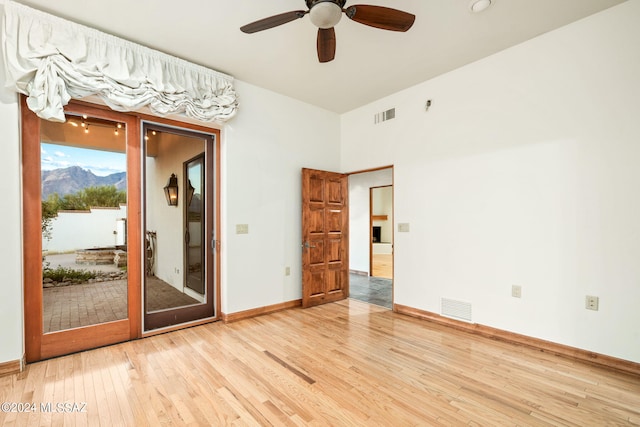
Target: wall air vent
(459, 310)
(384, 116)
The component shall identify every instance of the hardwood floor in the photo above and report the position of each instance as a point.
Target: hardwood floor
(382, 266)
(345, 363)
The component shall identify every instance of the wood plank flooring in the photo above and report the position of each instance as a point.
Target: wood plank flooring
(382, 266)
(345, 364)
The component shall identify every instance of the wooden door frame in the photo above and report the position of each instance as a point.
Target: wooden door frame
(38, 345)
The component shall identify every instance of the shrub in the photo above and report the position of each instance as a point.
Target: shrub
(62, 274)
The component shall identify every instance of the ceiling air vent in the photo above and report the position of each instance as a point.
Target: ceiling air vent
(457, 309)
(384, 116)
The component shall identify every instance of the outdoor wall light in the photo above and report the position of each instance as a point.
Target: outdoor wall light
(171, 190)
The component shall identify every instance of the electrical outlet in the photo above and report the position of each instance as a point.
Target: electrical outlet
(591, 302)
(516, 291)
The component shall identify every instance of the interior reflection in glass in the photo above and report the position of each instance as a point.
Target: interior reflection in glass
(174, 234)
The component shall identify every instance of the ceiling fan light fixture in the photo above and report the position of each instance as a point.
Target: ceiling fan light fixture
(477, 6)
(325, 15)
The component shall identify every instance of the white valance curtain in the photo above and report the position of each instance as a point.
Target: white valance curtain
(52, 60)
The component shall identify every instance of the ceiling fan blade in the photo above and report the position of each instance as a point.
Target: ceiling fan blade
(381, 17)
(326, 44)
(272, 21)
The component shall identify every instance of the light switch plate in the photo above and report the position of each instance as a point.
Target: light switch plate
(516, 291)
(403, 227)
(242, 228)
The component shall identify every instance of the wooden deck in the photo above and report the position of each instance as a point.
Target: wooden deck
(345, 364)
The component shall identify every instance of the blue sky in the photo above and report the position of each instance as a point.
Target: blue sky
(101, 163)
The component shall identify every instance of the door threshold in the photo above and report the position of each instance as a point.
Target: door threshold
(179, 326)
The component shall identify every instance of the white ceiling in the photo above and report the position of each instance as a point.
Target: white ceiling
(369, 63)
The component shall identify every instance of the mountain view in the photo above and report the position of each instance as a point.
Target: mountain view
(73, 179)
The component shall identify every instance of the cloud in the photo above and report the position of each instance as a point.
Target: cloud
(61, 154)
(49, 163)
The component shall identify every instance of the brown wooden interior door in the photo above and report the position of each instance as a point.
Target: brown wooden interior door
(325, 237)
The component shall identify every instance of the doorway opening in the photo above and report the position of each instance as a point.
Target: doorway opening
(381, 219)
(371, 236)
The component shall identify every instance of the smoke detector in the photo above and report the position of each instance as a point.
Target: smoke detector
(477, 6)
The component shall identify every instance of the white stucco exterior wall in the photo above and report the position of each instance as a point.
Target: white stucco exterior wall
(73, 230)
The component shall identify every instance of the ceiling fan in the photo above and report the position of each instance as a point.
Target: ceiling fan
(325, 14)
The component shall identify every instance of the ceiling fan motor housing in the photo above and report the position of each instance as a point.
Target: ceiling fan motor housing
(325, 13)
(311, 3)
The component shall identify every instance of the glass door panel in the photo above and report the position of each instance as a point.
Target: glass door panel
(178, 200)
(81, 196)
(194, 230)
(84, 222)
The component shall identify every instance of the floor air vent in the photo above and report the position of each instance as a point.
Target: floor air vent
(384, 116)
(457, 309)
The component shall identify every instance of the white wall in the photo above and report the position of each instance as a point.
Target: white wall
(265, 147)
(359, 185)
(168, 221)
(523, 172)
(74, 230)
(11, 300)
(382, 204)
